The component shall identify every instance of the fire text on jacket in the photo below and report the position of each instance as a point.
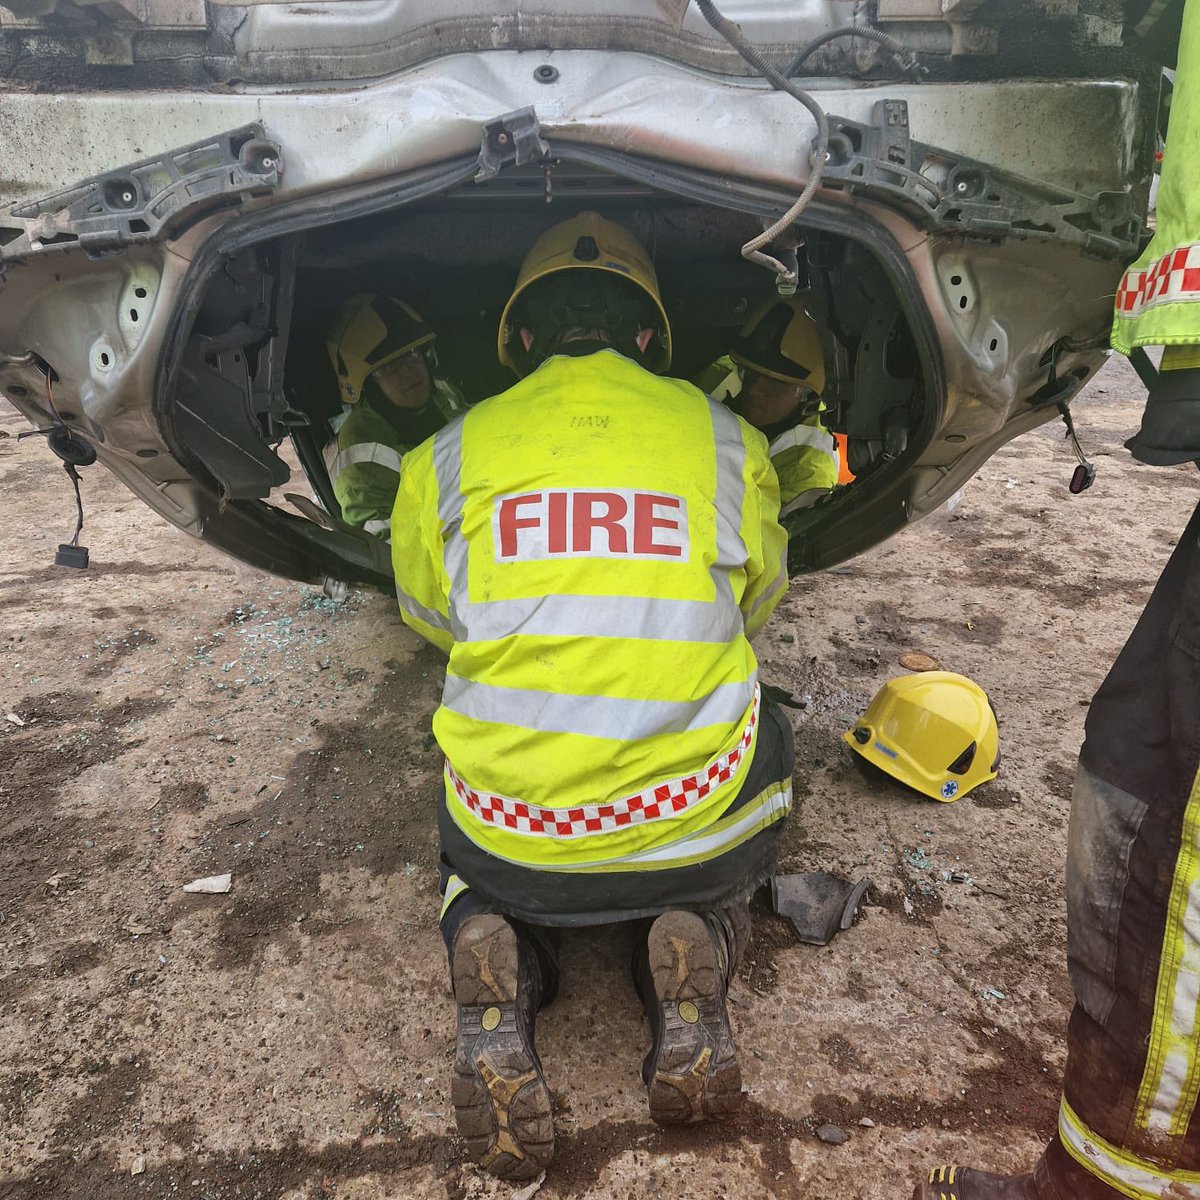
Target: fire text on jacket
(583, 523)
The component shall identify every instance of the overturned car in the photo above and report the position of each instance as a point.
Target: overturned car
(956, 191)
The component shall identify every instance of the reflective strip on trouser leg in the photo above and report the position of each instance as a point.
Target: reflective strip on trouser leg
(454, 888)
(1138, 1178)
(1171, 1081)
(766, 809)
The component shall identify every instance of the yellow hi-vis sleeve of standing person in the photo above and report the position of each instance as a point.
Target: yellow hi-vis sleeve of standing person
(1158, 302)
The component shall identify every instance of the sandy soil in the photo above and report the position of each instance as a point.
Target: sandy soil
(183, 716)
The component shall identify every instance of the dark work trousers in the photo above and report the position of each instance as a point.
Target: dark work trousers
(730, 927)
(1128, 1123)
(539, 904)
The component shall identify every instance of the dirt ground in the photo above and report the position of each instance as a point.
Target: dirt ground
(179, 716)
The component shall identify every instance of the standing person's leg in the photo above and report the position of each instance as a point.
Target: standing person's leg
(502, 972)
(1128, 1125)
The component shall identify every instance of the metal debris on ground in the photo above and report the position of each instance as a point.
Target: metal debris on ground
(530, 1189)
(991, 993)
(211, 885)
(956, 877)
(817, 904)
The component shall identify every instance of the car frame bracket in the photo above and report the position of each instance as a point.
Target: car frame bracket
(955, 194)
(147, 200)
(511, 140)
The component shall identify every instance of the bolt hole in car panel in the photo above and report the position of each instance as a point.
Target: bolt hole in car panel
(183, 298)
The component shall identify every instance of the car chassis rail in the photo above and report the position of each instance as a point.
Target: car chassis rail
(147, 199)
(955, 194)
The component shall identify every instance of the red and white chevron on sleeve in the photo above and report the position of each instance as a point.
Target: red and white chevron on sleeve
(1173, 278)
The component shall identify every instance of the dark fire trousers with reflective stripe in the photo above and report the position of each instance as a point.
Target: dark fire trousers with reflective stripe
(1128, 1116)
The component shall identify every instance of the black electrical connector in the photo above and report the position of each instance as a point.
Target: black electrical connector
(1084, 474)
(75, 451)
(70, 555)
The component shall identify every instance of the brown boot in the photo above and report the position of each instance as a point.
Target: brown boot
(501, 1101)
(692, 1071)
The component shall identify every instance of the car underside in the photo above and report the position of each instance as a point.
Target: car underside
(170, 266)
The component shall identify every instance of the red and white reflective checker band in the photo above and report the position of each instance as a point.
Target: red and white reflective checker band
(1174, 277)
(658, 800)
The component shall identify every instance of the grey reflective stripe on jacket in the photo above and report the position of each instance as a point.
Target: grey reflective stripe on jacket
(414, 609)
(365, 452)
(600, 616)
(731, 494)
(805, 435)
(595, 716)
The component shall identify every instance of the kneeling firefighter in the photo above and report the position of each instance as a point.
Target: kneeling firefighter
(594, 548)
(383, 355)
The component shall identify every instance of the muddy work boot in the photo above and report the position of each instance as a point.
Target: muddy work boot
(692, 1070)
(1055, 1177)
(501, 1101)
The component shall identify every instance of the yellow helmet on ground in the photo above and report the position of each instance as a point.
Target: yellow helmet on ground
(368, 333)
(782, 340)
(587, 242)
(935, 731)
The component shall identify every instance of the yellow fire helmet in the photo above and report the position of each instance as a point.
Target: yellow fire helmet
(781, 340)
(368, 333)
(588, 242)
(935, 731)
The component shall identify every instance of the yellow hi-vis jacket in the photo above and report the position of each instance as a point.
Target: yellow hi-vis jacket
(593, 548)
(1158, 301)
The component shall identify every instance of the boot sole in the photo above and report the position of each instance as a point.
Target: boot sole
(695, 1073)
(501, 1101)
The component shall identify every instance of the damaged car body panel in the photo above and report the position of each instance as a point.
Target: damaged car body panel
(962, 266)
